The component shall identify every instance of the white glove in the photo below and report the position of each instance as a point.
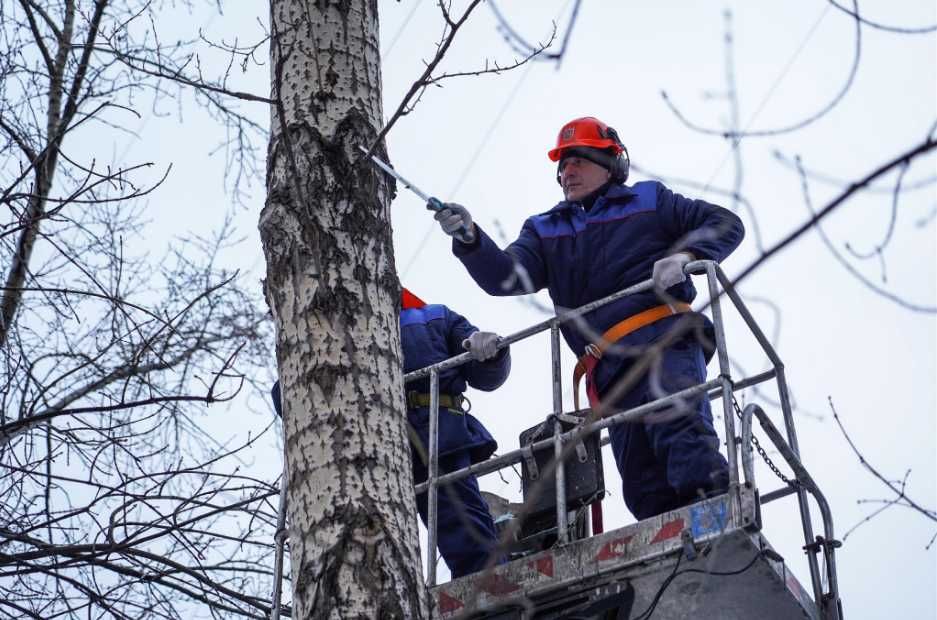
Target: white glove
(482, 345)
(456, 222)
(668, 271)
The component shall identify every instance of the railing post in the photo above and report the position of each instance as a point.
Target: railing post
(784, 396)
(561, 526)
(279, 537)
(725, 373)
(433, 473)
(748, 461)
(802, 500)
(828, 605)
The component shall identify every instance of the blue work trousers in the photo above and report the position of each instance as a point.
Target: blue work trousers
(465, 533)
(671, 458)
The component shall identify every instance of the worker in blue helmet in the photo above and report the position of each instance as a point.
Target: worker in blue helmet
(432, 333)
(604, 237)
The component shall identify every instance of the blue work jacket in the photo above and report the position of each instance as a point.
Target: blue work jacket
(582, 256)
(429, 335)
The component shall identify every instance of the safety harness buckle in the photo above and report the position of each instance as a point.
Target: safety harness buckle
(593, 350)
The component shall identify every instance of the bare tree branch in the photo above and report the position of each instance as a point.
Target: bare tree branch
(854, 12)
(812, 118)
(927, 145)
(521, 46)
(899, 489)
(849, 267)
(419, 86)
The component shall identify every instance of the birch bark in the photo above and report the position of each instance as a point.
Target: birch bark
(333, 290)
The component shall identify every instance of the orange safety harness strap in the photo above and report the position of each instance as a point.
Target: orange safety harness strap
(587, 363)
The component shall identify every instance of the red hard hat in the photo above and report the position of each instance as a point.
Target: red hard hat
(585, 131)
(408, 300)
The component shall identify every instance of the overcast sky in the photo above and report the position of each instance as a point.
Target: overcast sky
(482, 142)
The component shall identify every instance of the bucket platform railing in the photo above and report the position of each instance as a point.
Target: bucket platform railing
(722, 387)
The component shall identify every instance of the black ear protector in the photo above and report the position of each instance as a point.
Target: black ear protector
(618, 165)
(622, 164)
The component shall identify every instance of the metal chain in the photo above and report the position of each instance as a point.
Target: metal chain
(764, 455)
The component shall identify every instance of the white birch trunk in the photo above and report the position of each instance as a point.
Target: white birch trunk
(333, 290)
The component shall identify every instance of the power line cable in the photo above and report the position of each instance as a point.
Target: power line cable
(769, 94)
(403, 26)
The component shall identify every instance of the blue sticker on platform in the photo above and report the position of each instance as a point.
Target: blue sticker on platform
(709, 517)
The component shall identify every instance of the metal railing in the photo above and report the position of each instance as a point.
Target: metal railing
(829, 602)
(721, 387)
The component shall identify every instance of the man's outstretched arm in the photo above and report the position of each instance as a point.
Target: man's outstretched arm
(516, 270)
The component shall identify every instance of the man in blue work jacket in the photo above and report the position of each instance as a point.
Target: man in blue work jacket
(606, 236)
(429, 334)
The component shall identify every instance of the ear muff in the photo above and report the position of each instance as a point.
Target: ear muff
(622, 164)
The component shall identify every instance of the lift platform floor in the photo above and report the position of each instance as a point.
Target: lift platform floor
(726, 571)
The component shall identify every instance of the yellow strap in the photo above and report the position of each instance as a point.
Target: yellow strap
(446, 401)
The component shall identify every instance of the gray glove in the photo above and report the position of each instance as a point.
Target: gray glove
(668, 271)
(456, 222)
(482, 345)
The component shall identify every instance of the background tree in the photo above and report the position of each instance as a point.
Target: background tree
(114, 501)
(111, 353)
